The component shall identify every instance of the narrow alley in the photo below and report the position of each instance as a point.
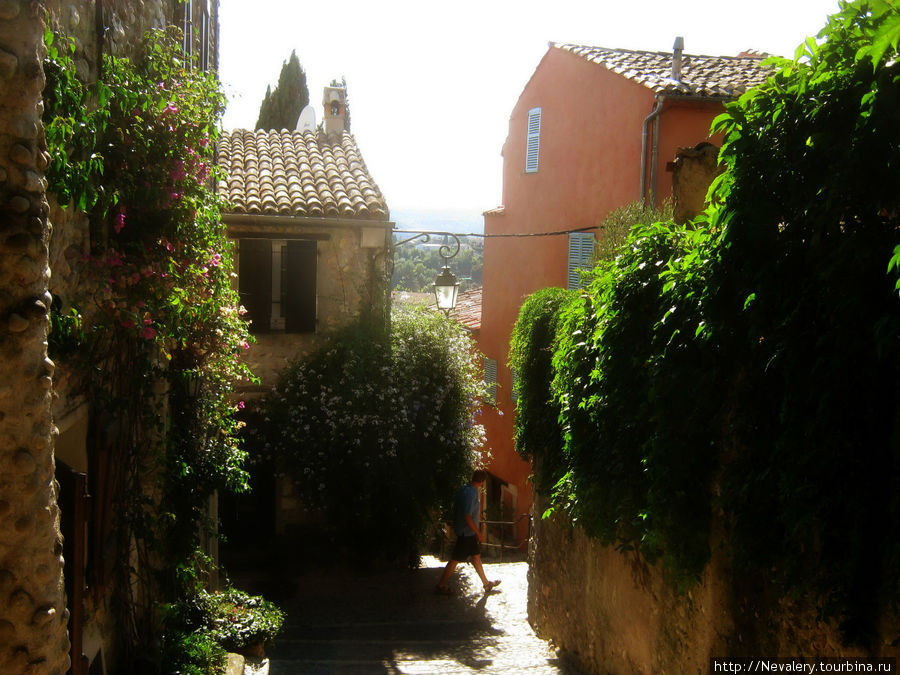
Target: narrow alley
(391, 622)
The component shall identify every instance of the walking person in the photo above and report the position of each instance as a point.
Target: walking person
(467, 514)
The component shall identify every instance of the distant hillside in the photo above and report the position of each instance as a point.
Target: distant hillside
(449, 220)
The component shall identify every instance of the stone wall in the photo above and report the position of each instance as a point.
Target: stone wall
(33, 614)
(694, 171)
(614, 613)
(39, 400)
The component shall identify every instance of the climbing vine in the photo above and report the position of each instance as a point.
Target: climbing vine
(154, 322)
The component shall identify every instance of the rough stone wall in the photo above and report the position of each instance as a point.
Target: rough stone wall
(616, 614)
(33, 614)
(695, 169)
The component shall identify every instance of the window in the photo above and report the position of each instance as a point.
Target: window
(490, 381)
(534, 140)
(204, 37)
(514, 381)
(277, 284)
(581, 256)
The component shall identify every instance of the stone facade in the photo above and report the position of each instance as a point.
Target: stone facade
(349, 277)
(614, 613)
(693, 172)
(41, 405)
(33, 615)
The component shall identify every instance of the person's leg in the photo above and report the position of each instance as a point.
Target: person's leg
(448, 570)
(476, 563)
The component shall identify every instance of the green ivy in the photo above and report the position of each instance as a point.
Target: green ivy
(535, 429)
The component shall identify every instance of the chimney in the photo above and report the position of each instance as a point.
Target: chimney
(676, 58)
(334, 100)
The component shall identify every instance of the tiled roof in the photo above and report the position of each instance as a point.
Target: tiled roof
(295, 173)
(724, 77)
(468, 310)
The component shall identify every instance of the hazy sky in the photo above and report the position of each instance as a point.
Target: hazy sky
(431, 84)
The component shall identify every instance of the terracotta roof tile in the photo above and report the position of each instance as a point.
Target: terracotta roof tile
(725, 77)
(468, 310)
(295, 173)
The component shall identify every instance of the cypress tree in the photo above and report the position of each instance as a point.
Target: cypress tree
(281, 106)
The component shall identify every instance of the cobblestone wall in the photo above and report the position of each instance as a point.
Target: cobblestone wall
(33, 616)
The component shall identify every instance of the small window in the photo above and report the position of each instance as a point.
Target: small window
(490, 381)
(514, 383)
(277, 284)
(534, 140)
(581, 256)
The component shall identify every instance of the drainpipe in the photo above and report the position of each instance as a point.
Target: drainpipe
(652, 117)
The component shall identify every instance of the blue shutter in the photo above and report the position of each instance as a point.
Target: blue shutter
(581, 256)
(490, 381)
(533, 145)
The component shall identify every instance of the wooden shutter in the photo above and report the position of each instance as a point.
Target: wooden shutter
(255, 282)
(533, 144)
(298, 287)
(490, 381)
(581, 256)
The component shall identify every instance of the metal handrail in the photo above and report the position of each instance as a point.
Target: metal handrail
(502, 545)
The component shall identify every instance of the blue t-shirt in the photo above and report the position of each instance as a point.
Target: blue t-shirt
(467, 502)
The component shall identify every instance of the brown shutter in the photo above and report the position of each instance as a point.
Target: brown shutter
(255, 282)
(298, 287)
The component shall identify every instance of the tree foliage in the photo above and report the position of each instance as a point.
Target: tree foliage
(281, 107)
(747, 364)
(378, 432)
(415, 267)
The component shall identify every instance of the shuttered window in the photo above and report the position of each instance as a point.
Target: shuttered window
(514, 383)
(581, 256)
(533, 144)
(277, 284)
(490, 381)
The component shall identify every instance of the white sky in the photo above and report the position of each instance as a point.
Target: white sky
(431, 84)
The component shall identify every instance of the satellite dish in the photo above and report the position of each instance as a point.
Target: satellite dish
(307, 121)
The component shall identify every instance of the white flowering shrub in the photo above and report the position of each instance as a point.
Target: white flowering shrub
(379, 431)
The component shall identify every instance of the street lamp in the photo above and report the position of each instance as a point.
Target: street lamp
(446, 289)
(446, 285)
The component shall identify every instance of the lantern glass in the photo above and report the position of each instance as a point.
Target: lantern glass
(446, 288)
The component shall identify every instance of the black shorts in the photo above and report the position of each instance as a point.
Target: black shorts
(466, 545)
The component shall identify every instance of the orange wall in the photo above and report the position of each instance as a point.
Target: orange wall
(589, 163)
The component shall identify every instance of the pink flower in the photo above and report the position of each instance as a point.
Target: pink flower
(177, 173)
(148, 333)
(128, 323)
(241, 405)
(170, 109)
(216, 260)
(245, 344)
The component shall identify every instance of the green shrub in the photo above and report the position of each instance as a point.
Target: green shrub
(203, 626)
(535, 427)
(378, 431)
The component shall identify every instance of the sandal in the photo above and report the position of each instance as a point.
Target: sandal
(443, 590)
(491, 585)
